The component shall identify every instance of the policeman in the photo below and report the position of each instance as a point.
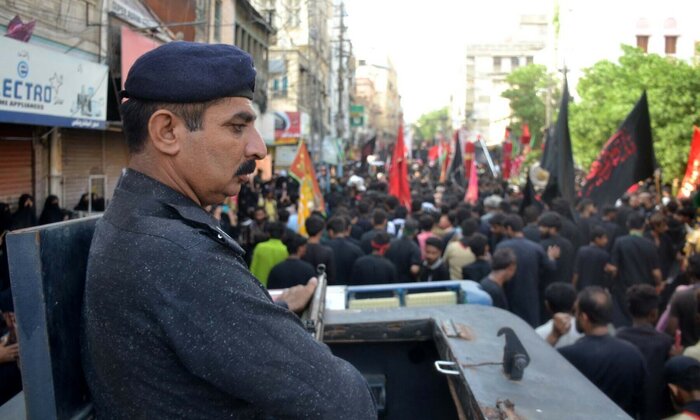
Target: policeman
(174, 324)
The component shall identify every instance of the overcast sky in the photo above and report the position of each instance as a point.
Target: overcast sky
(426, 40)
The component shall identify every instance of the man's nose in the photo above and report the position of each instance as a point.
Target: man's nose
(256, 149)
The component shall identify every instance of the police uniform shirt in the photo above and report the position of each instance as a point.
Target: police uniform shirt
(175, 326)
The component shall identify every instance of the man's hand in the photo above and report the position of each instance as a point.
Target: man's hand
(298, 297)
(561, 324)
(9, 353)
(553, 252)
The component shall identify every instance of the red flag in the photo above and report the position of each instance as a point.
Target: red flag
(398, 173)
(472, 194)
(468, 156)
(507, 152)
(692, 171)
(525, 137)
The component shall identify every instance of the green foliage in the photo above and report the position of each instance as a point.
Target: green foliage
(528, 94)
(431, 123)
(608, 91)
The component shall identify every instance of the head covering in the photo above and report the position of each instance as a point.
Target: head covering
(25, 216)
(187, 72)
(52, 213)
(493, 201)
(683, 371)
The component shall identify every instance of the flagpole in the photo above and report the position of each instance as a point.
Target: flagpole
(488, 156)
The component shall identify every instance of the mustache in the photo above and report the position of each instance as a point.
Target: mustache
(247, 167)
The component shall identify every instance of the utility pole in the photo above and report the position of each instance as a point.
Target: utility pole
(341, 81)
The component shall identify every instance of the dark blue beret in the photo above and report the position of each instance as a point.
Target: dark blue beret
(186, 72)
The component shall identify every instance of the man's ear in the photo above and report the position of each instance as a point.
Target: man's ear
(165, 130)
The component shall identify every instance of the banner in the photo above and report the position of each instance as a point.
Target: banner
(310, 197)
(691, 180)
(43, 87)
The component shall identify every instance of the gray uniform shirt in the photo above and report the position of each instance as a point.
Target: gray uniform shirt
(175, 326)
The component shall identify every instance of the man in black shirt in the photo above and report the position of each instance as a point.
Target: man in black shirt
(433, 267)
(612, 228)
(523, 290)
(374, 268)
(616, 367)
(656, 347)
(344, 251)
(550, 225)
(379, 222)
(293, 270)
(634, 261)
(503, 265)
(404, 253)
(530, 216)
(315, 252)
(480, 268)
(589, 268)
(658, 234)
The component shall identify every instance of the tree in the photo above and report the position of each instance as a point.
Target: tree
(431, 123)
(609, 90)
(528, 95)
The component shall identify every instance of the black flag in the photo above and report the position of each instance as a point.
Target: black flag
(626, 158)
(558, 158)
(456, 172)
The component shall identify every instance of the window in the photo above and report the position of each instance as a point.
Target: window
(496, 64)
(671, 44)
(643, 42)
(217, 21)
(529, 60)
(514, 63)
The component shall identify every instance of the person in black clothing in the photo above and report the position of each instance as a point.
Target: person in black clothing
(315, 252)
(587, 219)
(504, 264)
(615, 366)
(634, 260)
(550, 224)
(25, 215)
(374, 268)
(292, 271)
(497, 231)
(656, 347)
(682, 374)
(530, 216)
(433, 267)
(683, 307)
(362, 224)
(283, 217)
(568, 230)
(523, 290)
(404, 253)
(51, 213)
(589, 268)
(83, 203)
(345, 252)
(480, 268)
(609, 223)
(658, 234)
(379, 222)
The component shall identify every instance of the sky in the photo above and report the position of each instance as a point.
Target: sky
(426, 40)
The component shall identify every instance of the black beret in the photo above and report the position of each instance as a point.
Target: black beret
(683, 371)
(187, 72)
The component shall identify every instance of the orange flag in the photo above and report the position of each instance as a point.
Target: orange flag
(692, 171)
(310, 197)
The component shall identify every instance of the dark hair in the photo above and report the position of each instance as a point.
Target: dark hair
(497, 219)
(514, 222)
(434, 242)
(585, 202)
(336, 225)
(693, 269)
(276, 230)
(381, 238)
(598, 232)
(469, 227)
(314, 225)
(609, 209)
(293, 242)
(502, 259)
(635, 221)
(136, 113)
(391, 202)
(379, 217)
(595, 302)
(426, 222)
(410, 227)
(531, 213)
(477, 243)
(642, 300)
(283, 215)
(363, 207)
(400, 212)
(560, 296)
(550, 219)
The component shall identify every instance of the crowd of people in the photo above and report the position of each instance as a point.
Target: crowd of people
(614, 289)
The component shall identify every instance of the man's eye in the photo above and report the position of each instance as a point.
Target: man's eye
(237, 128)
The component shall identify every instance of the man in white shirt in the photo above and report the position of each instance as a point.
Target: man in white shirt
(559, 299)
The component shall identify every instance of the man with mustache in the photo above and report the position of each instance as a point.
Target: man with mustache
(174, 324)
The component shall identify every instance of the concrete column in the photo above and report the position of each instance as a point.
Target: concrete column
(56, 166)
